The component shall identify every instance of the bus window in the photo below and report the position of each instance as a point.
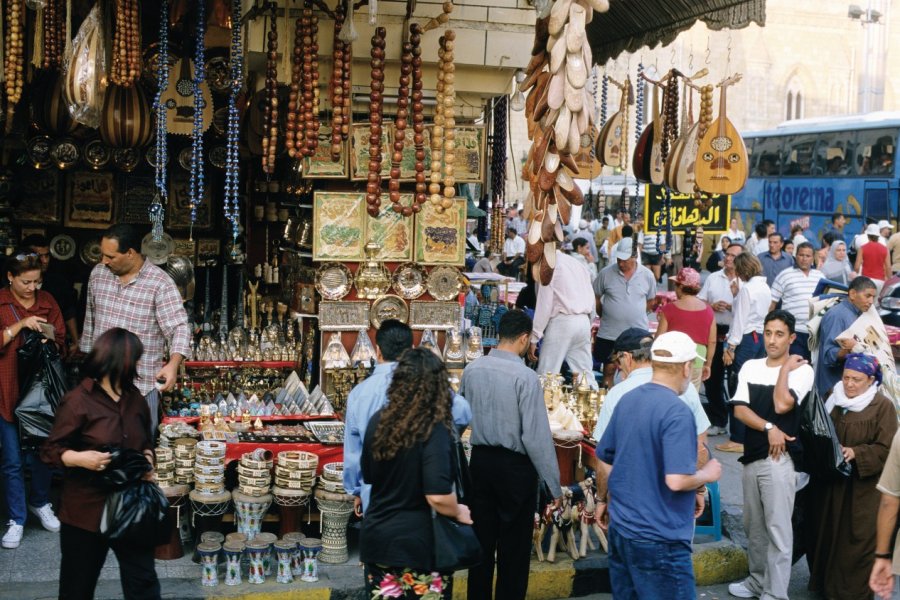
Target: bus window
(798, 154)
(875, 151)
(834, 154)
(767, 157)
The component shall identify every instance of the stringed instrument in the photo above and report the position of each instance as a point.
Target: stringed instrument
(640, 162)
(722, 166)
(677, 149)
(657, 171)
(611, 145)
(178, 98)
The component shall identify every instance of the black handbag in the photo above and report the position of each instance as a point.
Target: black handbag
(455, 545)
(822, 456)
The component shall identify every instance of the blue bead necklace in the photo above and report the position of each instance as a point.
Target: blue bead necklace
(196, 192)
(161, 199)
(232, 158)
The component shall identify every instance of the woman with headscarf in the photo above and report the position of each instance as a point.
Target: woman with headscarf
(841, 536)
(837, 265)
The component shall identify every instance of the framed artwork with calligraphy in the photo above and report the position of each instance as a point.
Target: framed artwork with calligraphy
(359, 151)
(89, 199)
(408, 163)
(392, 231)
(38, 198)
(320, 165)
(440, 238)
(712, 212)
(137, 195)
(470, 144)
(340, 226)
(178, 214)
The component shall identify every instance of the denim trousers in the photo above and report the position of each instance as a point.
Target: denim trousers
(12, 465)
(650, 570)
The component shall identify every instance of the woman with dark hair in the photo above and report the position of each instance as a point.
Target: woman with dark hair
(23, 307)
(104, 412)
(407, 457)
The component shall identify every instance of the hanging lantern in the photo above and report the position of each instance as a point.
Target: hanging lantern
(49, 110)
(127, 120)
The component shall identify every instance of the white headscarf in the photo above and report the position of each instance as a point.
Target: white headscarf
(834, 269)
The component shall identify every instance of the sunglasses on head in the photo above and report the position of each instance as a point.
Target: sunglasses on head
(21, 257)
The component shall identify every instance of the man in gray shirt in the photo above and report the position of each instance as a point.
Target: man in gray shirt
(625, 292)
(512, 449)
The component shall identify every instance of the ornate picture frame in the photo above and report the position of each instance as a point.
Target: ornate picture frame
(38, 198)
(340, 226)
(90, 199)
(470, 149)
(440, 238)
(136, 198)
(359, 150)
(392, 231)
(343, 315)
(433, 315)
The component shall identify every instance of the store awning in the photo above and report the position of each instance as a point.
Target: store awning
(632, 24)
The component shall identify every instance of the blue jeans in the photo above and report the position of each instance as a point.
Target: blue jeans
(650, 570)
(751, 347)
(12, 467)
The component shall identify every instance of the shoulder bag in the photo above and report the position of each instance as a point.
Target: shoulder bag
(455, 545)
(822, 456)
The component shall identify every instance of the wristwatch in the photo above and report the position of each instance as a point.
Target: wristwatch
(768, 427)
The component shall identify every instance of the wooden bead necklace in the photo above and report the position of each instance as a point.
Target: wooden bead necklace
(400, 124)
(14, 57)
(311, 91)
(337, 85)
(443, 136)
(54, 30)
(270, 113)
(126, 59)
(295, 99)
(418, 112)
(376, 112)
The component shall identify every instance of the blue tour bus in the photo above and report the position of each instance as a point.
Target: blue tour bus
(804, 170)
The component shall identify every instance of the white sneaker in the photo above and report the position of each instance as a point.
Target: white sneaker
(13, 536)
(740, 590)
(45, 514)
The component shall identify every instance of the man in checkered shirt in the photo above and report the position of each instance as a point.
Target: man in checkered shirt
(126, 290)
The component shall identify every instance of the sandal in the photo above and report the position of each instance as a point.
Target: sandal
(730, 447)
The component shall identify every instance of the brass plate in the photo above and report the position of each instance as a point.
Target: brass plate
(38, 150)
(433, 315)
(126, 159)
(443, 283)
(333, 280)
(90, 252)
(343, 316)
(409, 280)
(65, 154)
(97, 154)
(62, 247)
(389, 307)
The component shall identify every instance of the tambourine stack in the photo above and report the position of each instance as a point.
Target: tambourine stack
(184, 450)
(209, 467)
(165, 467)
(255, 474)
(295, 473)
(332, 478)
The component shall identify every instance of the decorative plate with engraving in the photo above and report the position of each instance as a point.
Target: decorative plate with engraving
(409, 280)
(333, 280)
(65, 154)
(443, 283)
(62, 247)
(218, 156)
(157, 252)
(38, 149)
(90, 252)
(388, 307)
(184, 157)
(126, 159)
(218, 74)
(97, 154)
(150, 156)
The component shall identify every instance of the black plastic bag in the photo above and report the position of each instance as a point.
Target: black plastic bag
(822, 456)
(42, 381)
(134, 513)
(126, 466)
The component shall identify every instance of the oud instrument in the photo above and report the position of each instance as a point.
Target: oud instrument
(612, 142)
(179, 98)
(722, 157)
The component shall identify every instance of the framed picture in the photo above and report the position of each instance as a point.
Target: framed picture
(185, 247)
(178, 214)
(470, 144)
(89, 199)
(38, 199)
(441, 238)
(392, 231)
(359, 151)
(135, 200)
(208, 249)
(26, 231)
(408, 163)
(320, 165)
(343, 315)
(340, 226)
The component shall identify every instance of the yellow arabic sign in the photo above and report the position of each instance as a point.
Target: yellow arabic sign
(684, 213)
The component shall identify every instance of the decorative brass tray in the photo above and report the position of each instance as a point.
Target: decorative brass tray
(443, 283)
(388, 307)
(409, 280)
(333, 280)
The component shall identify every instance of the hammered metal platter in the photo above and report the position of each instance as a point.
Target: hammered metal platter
(409, 280)
(388, 307)
(443, 283)
(346, 315)
(333, 280)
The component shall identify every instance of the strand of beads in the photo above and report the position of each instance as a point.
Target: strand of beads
(418, 112)
(295, 99)
(15, 58)
(126, 64)
(498, 172)
(604, 98)
(337, 84)
(445, 119)
(638, 114)
(161, 199)
(232, 156)
(54, 34)
(311, 93)
(270, 113)
(376, 112)
(197, 185)
(400, 124)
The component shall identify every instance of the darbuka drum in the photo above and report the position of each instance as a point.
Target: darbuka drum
(336, 509)
(291, 504)
(177, 496)
(207, 511)
(249, 512)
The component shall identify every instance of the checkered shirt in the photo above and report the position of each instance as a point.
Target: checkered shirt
(149, 306)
